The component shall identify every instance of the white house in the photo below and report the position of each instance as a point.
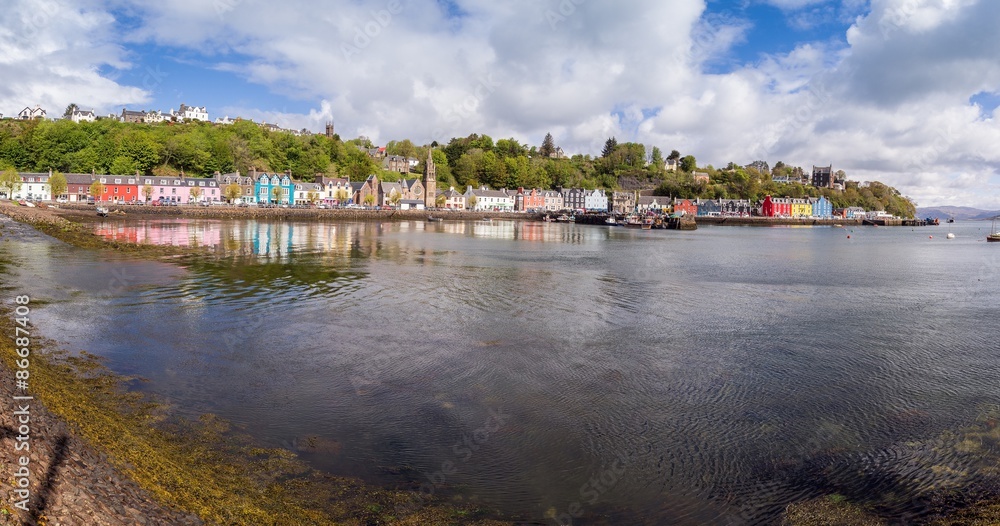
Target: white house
(34, 186)
(194, 113)
(79, 115)
(487, 199)
(31, 113)
(302, 193)
(224, 120)
(411, 204)
(155, 116)
(595, 201)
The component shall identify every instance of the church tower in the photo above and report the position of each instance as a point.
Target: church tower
(430, 180)
(329, 129)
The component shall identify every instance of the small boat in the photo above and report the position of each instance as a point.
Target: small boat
(950, 235)
(101, 211)
(564, 219)
(611, 221)
(951, 219)
(994, 233)
(432, 219)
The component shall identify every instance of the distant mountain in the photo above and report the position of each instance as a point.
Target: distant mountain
(960, 213)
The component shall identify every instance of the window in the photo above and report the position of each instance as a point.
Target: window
(128, 190)
(103, 180)
(116, 189)
(131, 181)
(173, 191)
(118, 181)
(161, 190)
(163, 181)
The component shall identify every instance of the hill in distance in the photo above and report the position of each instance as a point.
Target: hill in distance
(960, 213)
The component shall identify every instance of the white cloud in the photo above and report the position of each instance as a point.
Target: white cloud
(52, 52)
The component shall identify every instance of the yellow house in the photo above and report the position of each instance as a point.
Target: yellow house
(801, 208)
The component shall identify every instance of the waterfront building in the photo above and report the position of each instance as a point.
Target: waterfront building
(574, 198)
(595, 201)
(822, 207)
(265, 184)
(553, 201)
(685, 207)
(453, 199)
(118, 188)
(411, 204)
(34, 187)
(334, 190)
(529, 200)
(652, 203)
(486, 199)
(708, 207)
(736, 207)
(302, 191)
(246, 184)
(801, 208)
(854, 212)
(360, 190)
(621, 202)
(78, 187)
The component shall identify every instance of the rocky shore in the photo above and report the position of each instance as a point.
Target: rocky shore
(71, 483)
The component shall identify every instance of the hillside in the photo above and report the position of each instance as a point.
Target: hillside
(960, 213)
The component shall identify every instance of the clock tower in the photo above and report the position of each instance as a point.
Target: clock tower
(430, 180)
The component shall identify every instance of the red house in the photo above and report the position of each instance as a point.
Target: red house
(685, 207)
(78, 187)
(530, 200)
(776, 207)
(119, 189)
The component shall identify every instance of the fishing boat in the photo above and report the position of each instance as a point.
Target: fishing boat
(564, 219)
(994, 235)
(611, 221)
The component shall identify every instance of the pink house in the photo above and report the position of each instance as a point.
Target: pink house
(178, 189)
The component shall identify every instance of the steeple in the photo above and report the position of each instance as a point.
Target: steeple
(430, 180)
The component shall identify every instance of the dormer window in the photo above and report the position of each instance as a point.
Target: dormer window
(118, 181)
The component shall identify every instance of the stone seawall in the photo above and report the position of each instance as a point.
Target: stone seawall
(772, 221)
(296, 214)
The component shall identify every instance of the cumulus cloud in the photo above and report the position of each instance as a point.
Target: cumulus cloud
(53, 54)
(888, 100)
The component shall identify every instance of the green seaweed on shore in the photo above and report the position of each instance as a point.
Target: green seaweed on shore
(204, 466)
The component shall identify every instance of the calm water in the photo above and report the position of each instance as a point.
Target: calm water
(631, 376)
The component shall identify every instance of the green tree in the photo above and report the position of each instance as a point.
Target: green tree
(232, 192)
(656, 159)
(548, 146)
(147, 192)
(58, 185)
(312, 196)
(97, 189)
(276, 193)
(195, 193)
(674, 155)
(609, 147)
(471, 201)
(10, 182)
(69, 110)
(689, 164)
(440, 200)
(369, 200)
(395, 198)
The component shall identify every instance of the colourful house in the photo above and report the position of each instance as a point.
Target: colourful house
(776, 207)
(822, 207)
(685, 207)
(264, 188)
(801, 208)
(119, 188)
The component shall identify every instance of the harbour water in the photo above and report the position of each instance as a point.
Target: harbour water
(563, 373)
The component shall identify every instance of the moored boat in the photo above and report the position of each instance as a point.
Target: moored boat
(994, 235)
(432, 219)
(101, 211)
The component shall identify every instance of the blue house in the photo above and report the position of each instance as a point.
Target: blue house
(822, 207)
(265, 184)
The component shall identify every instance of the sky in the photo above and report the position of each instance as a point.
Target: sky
(901, 91)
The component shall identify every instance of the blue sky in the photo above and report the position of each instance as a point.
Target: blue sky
(902, 91)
